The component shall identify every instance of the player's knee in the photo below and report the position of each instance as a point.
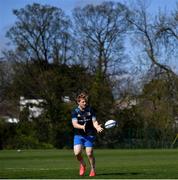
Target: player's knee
(89, 153)
(77, 150)
(77, 153)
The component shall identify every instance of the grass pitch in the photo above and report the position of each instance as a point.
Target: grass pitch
(110, 164)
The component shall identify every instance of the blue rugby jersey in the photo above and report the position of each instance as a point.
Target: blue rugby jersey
(86, 116)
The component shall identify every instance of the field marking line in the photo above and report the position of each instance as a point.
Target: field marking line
(37, 169)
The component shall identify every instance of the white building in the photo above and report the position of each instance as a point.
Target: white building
(34, 106)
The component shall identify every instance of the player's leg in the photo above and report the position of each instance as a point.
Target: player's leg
(91, 159)
(78, 153)
(89, 141)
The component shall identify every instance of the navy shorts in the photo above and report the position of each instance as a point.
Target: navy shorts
(86, 141)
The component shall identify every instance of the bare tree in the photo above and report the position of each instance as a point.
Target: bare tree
(155, 38)
(168, 25)
(41, 33)
(99, 32)
(167, 32)
(147, 36)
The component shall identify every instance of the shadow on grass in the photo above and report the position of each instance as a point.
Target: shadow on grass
(118, 174)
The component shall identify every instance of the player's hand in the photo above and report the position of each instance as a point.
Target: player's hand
(99, 128)
(84, 126)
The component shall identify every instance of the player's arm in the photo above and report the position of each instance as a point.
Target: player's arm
(75, 121)
(97, 126)
(77, 125)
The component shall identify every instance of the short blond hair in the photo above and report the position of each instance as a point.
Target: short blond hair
(82, 96)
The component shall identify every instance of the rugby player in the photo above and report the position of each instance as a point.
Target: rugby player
(85, 128)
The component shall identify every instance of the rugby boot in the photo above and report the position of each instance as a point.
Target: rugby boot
(92, 173)
(82, 169)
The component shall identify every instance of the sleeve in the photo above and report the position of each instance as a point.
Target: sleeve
(74, 115)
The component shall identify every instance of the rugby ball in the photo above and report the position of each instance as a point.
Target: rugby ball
(110, 124)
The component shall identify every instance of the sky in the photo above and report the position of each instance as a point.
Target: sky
(7, 19)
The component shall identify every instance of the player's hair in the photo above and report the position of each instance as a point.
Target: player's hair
(82, 96)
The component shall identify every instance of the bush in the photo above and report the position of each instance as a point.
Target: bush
(29, 142)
